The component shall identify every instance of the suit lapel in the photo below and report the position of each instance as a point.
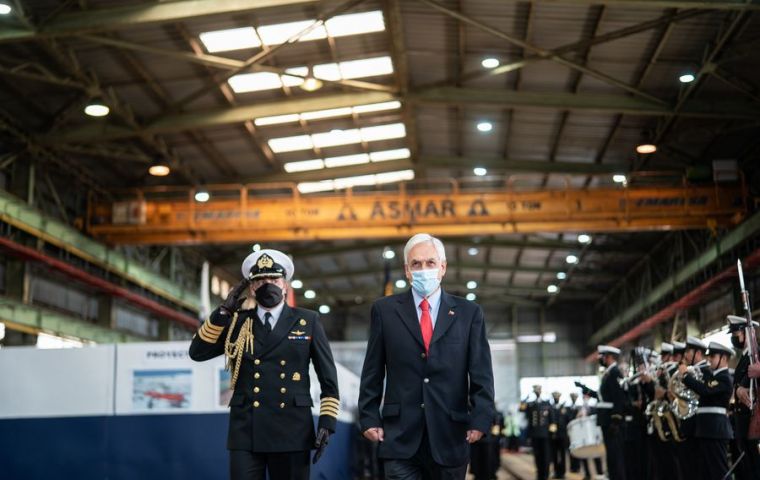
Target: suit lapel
(407, 311)
(284, 323)
(446, 316)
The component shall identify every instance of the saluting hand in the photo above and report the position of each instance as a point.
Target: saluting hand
(233, 302)
(473, 436)
(375, 434)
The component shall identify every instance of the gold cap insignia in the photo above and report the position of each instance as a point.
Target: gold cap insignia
(296, 377)
(302, 322)
(265, 261)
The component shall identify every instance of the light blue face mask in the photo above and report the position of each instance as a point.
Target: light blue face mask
(425, 282)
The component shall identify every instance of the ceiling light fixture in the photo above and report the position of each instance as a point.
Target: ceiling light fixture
(471, 297)
(561, 275)
(202, 196)
(584, 238)
(96, 108)
(5, 9)
(480, 171)
(619, 178)
(472, 285)
(490, 62)
(324, 309)
(571, 259)
(485, 127)
(388, 254)
(472, 251)
(400, 283)
(159, 169)
(646, 148)
(552, 289)
(687, 78)
(310, 294)
(256, 247)
(296, 284)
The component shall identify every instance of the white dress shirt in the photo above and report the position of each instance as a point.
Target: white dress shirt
(435, 303)
(276, 311)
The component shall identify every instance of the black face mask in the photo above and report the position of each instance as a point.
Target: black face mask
(736, 342)
(268, 295)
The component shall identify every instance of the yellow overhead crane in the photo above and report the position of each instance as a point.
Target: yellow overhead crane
(278, 212)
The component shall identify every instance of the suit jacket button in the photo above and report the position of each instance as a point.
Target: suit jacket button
(257, 361)
(426, 380)
(283, 390)
(282, 405)
(256, 404)
(423, 355)
(256, 375)
(282, 375)
(422, 405)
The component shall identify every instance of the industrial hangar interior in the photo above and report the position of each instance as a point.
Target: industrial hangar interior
(591, 168)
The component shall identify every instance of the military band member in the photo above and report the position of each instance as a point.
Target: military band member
(712, 428)
(539, 415)
(558, 435)
(268, 350)
(611, 409)
(661, 437)
(749, 467)
(694, 357)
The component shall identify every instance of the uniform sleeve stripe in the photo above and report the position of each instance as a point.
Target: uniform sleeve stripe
(212, 327)
(206, 337)
(209, 332)
(328, 411)
(330, 400)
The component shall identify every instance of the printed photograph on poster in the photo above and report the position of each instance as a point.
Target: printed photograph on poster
(161, 390)
(225, 392)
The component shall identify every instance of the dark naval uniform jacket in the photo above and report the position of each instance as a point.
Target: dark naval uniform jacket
(742, 415)
(270, 409)
(714, 392)
(613, 400)
(689, 425)
(446, 392)
(540, 416)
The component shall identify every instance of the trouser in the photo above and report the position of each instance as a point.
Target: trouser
(559, 447)
(713, 458)
(614, 443)
(598, 469)
(665, 461)
(541, 452)
(686, 461)
(749, 466)
(246, 465)
(422, 466)
(575, 464)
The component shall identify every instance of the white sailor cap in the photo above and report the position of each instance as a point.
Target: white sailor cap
(666, 347)
(679, 347)
(267, 263)
(736, 323)
(602, 349)
(694, 342)
(717, 347)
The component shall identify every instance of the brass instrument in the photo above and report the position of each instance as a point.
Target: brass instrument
(686, 400)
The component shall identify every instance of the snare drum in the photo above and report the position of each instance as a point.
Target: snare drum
(585, 438)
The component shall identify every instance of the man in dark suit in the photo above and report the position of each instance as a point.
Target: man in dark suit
(712, 428)
(749, 467)
(430, 349)
(611, 409)
(268, 350)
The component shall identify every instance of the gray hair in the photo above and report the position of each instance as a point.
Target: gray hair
(421, 238)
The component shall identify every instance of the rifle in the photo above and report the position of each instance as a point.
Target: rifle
(754, 357)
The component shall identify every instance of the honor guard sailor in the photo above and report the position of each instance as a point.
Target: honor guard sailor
(268, 350)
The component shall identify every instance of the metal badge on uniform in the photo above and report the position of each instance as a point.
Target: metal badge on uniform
(713, 383)
(297, 332)
(296, 377)
(302, 322)
(451, 313)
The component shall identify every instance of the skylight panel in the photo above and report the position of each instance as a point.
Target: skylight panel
(304, 166)
(377, 107)
(398, 176)
(362, 180)
(291, 144)
(230, 39)
(277, 119)
(281, 32)
(355, 24)
(336, 137)
(253, 82)
(383, 132)
(346, 160)
(327, 71)
(386, 155)
(366, 67)
(313, 187)
(333, 112)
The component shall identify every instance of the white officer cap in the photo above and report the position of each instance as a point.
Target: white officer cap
(267, 263)
(717, 347)
(666, 347)
(736, 323)
(695, 342)
(602, 349)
